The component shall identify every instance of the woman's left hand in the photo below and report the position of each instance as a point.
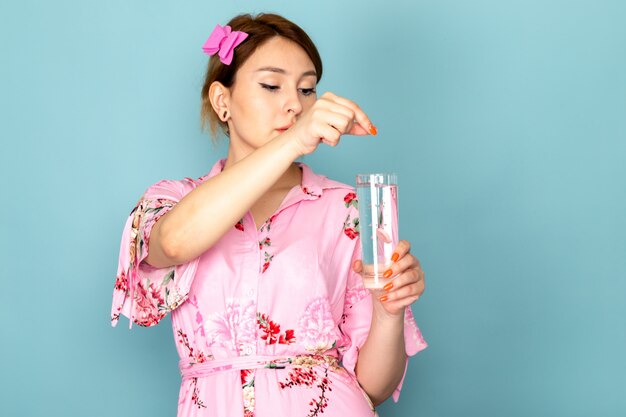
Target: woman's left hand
(408, 282)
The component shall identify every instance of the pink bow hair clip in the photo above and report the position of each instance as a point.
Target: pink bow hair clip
(223, 41)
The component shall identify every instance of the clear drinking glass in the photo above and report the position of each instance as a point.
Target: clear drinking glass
(378, 213)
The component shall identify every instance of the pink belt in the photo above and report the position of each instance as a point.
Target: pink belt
(200, 369)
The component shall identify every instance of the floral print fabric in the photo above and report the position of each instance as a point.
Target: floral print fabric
(267, 322)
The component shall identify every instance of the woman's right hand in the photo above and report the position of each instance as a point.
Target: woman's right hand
(328, 118)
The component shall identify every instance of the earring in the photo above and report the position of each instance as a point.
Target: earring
(224, 116)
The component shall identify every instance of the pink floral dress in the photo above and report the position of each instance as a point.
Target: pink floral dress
(267, 322)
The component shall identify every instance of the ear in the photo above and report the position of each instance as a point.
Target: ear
(219, 97)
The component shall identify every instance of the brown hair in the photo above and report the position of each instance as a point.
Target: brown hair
(260, 29)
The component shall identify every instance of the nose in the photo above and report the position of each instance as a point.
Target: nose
(292, 103)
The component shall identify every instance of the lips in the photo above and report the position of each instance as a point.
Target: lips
(282, 129)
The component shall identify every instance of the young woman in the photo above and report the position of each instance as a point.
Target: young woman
(258, 260)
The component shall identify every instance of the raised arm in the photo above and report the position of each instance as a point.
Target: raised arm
(203, 216)
(207, 212)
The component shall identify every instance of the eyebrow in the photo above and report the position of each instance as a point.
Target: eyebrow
(282, 71)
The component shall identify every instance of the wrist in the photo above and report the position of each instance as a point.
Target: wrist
(287, 142)
(381, 315)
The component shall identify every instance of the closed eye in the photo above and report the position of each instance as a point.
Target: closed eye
(307, 91)
(269, 87)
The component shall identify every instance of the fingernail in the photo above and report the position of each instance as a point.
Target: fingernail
(388, 287)
(383, 298)
(395, 257)
(388, 273)
(373, 130)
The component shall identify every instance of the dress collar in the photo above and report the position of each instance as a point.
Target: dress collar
(311, 187)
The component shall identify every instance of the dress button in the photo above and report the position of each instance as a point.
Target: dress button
(251, 293)
(248, 350)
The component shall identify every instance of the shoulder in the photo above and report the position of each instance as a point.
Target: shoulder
(336, 186)
(342, 205)
(318, 184)
(170, 189)
(339, 192)
(176, 189)
(342, 209)
(337, 197)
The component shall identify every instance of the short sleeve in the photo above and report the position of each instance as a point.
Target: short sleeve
(357, 317)
(143, 293)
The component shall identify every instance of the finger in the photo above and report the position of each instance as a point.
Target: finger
(326, 118)
(398, 306)
(407, 262)
(339, 121)
(402, 248)
(357, 130)
(408, 292)
(408, 277)
(329, 135)
(352, 126)
(332, 105)
(359, 115)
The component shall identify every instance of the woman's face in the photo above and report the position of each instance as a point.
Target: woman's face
(271, 89)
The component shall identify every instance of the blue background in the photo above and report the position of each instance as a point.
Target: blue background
(505, 120)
